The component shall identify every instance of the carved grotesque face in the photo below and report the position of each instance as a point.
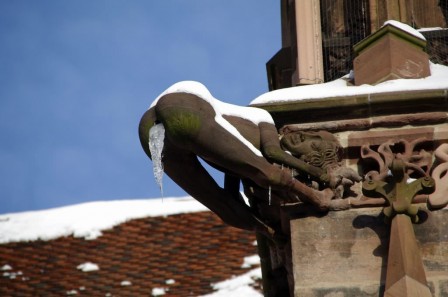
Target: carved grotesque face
(320, 149)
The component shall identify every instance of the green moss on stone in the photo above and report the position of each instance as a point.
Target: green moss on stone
(183, 125)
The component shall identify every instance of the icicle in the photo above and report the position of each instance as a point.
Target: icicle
(270, 195)
(156, 138)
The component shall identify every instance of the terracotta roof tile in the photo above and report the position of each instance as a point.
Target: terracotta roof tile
(194, 249)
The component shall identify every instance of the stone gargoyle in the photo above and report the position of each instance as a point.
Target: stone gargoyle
(240, 141)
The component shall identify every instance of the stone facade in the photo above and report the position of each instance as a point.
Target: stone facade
(344, 254)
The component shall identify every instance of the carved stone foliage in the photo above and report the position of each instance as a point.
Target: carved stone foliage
(419, 161)
(439, 198)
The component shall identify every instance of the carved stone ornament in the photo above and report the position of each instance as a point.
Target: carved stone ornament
(423, 169)
(403, 177)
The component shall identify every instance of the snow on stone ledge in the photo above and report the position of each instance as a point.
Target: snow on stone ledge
(339, 88)
(87, 220)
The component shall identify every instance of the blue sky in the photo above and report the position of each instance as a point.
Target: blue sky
(76, 76)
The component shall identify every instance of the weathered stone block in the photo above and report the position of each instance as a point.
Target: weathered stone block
(345, 253)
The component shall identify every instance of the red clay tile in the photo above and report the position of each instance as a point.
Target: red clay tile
(194, 249)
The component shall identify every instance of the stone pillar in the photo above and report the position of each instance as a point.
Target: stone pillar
(309, 43)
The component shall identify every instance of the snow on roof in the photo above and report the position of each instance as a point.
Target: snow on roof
(87, 220)
(238, 286)
(405, 27)
(438, 80)
(88, 266)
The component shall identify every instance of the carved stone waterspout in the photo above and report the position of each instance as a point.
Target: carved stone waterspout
(243, 143)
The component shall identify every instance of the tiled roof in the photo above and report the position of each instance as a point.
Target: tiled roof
(195, 250)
